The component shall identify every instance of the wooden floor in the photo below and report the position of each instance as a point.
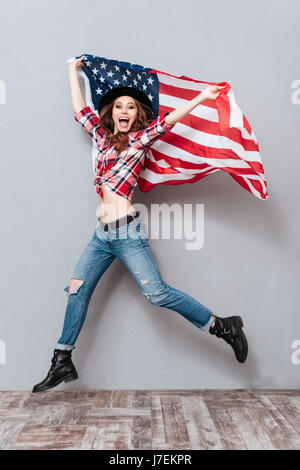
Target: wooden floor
(152, 419)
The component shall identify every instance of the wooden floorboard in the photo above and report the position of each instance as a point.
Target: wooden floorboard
(150, 419)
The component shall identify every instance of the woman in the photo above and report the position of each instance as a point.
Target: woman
(122, 134)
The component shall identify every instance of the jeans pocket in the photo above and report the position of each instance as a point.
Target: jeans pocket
(100, 233)
(142, 230)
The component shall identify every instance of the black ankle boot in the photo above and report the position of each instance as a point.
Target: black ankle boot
(62, 369)
(230, 329)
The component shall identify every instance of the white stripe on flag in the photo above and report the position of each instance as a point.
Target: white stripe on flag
(153, 177)
(207, 140)
(181, 82)
(201, 111)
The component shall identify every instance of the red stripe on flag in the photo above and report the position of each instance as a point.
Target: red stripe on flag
(199, 150)
(145, 185)
(210, 127)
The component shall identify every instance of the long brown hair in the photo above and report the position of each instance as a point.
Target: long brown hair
(120, 139)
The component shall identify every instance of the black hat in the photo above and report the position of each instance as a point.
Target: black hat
(127, 91)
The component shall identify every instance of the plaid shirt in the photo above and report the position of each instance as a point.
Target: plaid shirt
(119, 171)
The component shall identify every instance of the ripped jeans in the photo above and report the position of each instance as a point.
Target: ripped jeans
(129, 243)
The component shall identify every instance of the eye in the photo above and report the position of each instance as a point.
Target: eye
(130, 107)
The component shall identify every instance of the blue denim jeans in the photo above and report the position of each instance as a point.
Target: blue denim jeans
(129, 243)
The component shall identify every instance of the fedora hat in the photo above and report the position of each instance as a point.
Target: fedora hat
(124, 91)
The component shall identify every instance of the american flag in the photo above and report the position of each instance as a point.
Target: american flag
(213, 136)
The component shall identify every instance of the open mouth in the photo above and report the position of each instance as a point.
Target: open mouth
(124, 122)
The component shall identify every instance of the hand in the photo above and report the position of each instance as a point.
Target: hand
(76, 63)
(211, 92)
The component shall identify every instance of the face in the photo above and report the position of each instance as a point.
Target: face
(124, 107)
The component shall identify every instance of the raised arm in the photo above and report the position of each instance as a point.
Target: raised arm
(76, 95)
(210, 93)
(83, 113)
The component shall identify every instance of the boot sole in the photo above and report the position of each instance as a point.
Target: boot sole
(67, 378)
(71, 378)
(239, 322)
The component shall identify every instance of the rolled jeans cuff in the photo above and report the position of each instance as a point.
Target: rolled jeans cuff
(208, 324)
(64, 347)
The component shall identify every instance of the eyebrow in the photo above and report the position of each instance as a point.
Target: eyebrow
(130, 102)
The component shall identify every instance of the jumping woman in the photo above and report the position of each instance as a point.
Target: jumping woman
(123, 132)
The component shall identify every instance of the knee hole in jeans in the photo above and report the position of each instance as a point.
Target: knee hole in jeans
(158, 295)
(74, 286)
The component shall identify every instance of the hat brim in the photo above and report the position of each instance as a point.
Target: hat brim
(114, 93)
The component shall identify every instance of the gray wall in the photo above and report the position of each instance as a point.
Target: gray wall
(249, 262)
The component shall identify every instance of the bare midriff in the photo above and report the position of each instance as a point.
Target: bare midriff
(113, 206)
